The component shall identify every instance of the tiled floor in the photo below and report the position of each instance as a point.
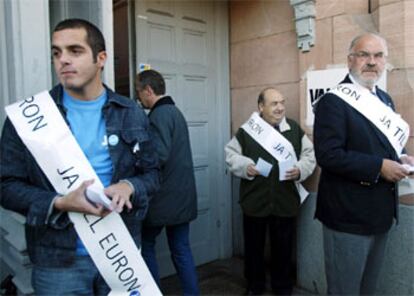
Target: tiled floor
(219, 278)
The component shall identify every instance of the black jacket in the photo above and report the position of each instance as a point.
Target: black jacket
(352, 196)
(176, 202)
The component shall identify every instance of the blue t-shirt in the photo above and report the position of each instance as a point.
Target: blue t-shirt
(88, 126)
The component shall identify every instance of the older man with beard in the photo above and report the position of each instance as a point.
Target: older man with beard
(357, 195)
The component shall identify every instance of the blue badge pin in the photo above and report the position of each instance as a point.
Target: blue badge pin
(113, 140)
(135, 293)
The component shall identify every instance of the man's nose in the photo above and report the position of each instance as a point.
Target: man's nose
(64, 58)
(371, 60)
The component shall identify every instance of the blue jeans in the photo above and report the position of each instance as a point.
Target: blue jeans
(182, 258)
(81, 278)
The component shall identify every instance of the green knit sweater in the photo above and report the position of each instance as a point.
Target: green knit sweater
(263, 196)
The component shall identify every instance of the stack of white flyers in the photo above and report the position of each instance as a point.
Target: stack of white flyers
(96, 195)
(284, 166)
(410, 168)
(263, 167)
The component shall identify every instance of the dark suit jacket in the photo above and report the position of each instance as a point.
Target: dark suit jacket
(352, 197)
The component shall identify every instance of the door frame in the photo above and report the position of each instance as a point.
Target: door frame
(223, 109)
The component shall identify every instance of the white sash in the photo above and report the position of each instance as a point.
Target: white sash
(394, 128)
(273, 142)
(43, 130)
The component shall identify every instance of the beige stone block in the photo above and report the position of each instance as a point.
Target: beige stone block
(386, 2)
(374, 5)
(392, 27)
(410, 146)
(345, 28)
(303, 108)
(244, 102)
(409, 34)
(253, 19)
(356, 6)
(291, 92)
(303, 105)
(329, 8)
(320, 54)
(375, 18)
(263, 61)
(400, 84)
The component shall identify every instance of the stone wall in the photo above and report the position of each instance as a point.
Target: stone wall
(262, 53)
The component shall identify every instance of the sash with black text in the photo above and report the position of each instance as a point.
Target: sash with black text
(394, 128)
(273, 142)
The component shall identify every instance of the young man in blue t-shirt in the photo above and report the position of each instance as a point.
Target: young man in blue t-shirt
(108, 128)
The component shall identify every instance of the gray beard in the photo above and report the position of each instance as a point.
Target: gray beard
(368, 83)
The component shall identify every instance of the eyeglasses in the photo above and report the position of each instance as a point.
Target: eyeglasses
(366, 55)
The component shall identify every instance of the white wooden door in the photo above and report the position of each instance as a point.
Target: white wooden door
(177, 39)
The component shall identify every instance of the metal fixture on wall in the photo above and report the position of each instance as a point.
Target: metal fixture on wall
(305, 23)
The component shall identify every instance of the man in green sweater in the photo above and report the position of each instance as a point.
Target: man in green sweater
(269, 201)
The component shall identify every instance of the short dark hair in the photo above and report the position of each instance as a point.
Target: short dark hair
(261, 98)
(153, 79)
(94, 36)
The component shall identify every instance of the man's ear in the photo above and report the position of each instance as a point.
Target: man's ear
(101, 58)
(149, 90)
(260, 105)
(349, 61)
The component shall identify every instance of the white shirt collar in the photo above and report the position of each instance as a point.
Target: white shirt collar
(284, 125)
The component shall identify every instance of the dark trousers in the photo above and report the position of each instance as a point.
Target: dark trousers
(281, 232)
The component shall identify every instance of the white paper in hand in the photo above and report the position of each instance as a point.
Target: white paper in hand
(410, 168)
(263, 167)
(285, 166)
(97, 196)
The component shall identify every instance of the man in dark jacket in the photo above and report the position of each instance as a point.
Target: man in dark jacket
(107, 127)
(175, 205)
(357, 196)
